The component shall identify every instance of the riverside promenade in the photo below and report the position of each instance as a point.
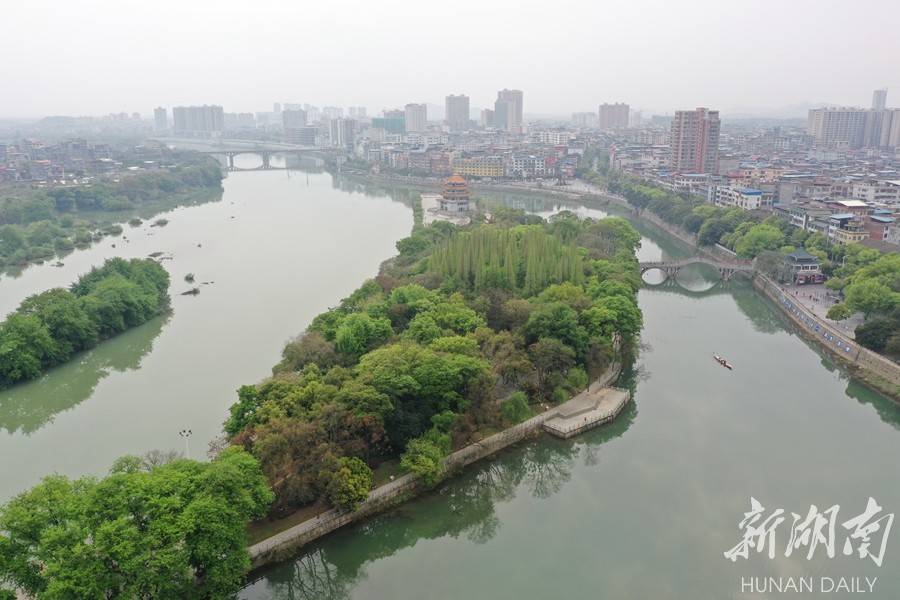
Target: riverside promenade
(591, 408)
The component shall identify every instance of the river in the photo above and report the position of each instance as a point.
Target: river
(648, 506)
(643, 508)
(270, 255)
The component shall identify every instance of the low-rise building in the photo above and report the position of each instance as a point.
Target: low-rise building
(846, 228)
(882, 192)
(480, 166)
(804, 266)
(879, 226)
(739, 197)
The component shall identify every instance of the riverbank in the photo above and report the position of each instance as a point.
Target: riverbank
(283, 545)
(876, 371)
(870, 368)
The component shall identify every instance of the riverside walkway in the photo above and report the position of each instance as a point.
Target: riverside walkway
(593, 407)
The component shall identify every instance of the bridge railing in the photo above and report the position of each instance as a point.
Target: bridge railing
(718, 264)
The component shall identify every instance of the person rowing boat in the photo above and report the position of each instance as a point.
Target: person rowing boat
(722, 362)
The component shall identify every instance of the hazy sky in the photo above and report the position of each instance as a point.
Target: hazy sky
(94, 57)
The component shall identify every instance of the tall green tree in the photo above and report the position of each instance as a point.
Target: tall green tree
(425, 459)
(176, 531)
(26, 349)
(347, 482)
(869, 297)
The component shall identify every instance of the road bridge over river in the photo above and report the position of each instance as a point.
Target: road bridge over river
(265, 150)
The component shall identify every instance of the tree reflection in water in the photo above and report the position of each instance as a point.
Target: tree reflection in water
(463, 506)
(310, 577)
(31, 405)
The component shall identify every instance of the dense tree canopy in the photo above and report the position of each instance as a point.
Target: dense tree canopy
(460, 334)
(49, 327)
(37, 224)
(173, 531)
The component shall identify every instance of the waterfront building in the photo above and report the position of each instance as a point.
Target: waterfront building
(293, 121)
(614, 116)
(480, 166)
(456, 112)
(804, 267)
(694, 141)
(304, 136)
(454, 195)
(342, 132)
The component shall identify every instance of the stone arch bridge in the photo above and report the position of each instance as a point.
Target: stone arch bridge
(670, 268)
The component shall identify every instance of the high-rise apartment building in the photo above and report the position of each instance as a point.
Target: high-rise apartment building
(456, 112)
(313, 114)
(333, 112)
(294, 126)
(198, 121)
(342, 132)
(416, 116)
(879, 99)
(393, 121)
(160, 120)
(837, 126)
(694, 141)
(614, 116)
(584, 119)
(882, 129)
(508, 110)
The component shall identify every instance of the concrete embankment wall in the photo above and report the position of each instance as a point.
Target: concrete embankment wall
(829, 337)
(825, 334)
(285, 544)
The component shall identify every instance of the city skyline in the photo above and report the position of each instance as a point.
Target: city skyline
(98, 57)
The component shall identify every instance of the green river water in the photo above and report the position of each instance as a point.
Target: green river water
(643, 508)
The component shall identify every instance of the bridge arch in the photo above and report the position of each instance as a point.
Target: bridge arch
(670, 268)
(265, 154)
